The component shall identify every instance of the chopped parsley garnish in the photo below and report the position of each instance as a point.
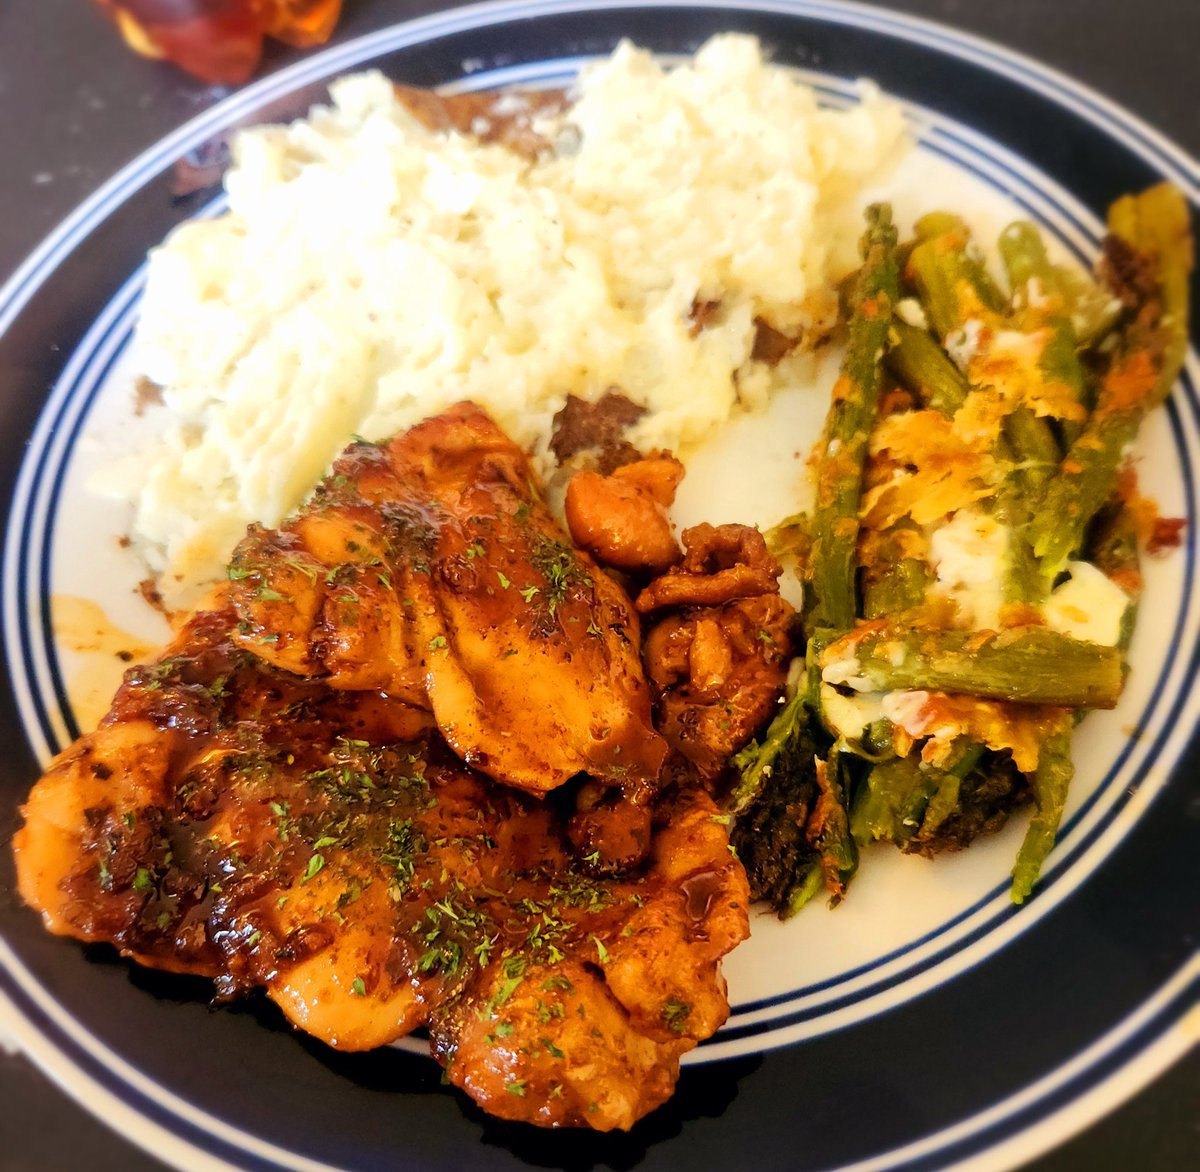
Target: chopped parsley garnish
(280, 810)
(514, 972)
(675, 1014)
(561, 569)
(404, 843)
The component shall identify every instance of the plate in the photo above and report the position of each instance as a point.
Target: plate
(925, 1021)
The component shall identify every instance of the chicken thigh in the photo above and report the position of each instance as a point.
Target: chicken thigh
(429, 568)
(236, 821)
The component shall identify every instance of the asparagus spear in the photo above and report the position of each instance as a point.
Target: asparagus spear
(1031, 445)
(952, 282)
(1050, 783)
(955, 287)
(848, 427)
(1094, 313)
(1042, 295)
(948, 788)
(773, 801)
(757, 763)
(1028, 665)
(1023, 253)
(1157, 224)
(828, 829)
(788, 538)
(1113, 547)
(891, 802)
(920, 365)
(984, 793)
(1151, 230)
(892, 581)
(906, 802)
(1061, 364)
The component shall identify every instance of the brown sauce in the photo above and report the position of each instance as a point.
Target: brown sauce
(101, 652)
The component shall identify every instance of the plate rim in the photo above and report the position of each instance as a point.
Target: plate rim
(1056, 86)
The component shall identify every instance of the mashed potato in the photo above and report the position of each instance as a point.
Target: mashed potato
(370, 272)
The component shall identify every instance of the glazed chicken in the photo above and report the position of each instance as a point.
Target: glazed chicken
(237, 821)
(621, 518)
(719, 641)
(428, 568)
(305, 794)
(718, 649)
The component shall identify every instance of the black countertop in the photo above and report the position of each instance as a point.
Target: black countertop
(77, 106)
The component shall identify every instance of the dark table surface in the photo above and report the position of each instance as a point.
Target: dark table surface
(76, 106)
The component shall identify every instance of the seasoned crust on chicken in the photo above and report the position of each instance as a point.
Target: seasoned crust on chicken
(718, 650)
(621, 517)
(232, 820)
(429, 568)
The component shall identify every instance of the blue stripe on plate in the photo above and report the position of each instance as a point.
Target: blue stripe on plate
(1074, 98)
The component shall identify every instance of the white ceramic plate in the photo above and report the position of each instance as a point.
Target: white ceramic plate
(924, 1020)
